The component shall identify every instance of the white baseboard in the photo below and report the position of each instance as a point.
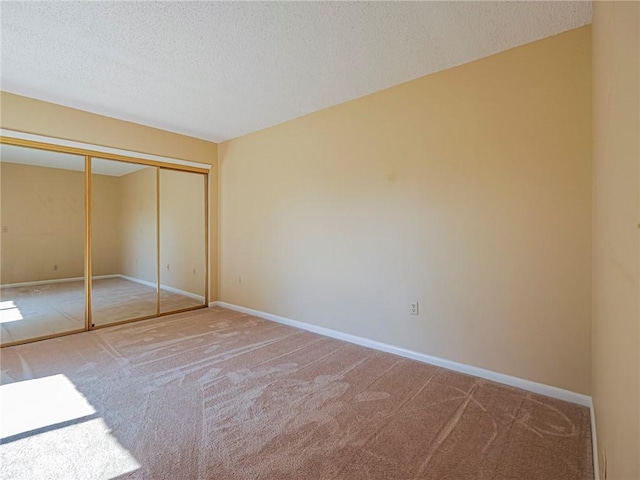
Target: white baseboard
(200, 298)
(528, 385)
(138, 280)
(56, 280)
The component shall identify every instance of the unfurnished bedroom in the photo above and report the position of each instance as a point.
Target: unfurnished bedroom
(320, 240)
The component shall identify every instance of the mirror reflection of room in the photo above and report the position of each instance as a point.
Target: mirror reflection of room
(182, 256)
(124, 241)
(42, 288)
(43, 237)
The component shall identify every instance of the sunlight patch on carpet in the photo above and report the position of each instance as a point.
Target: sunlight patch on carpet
(47, 425)
(9, 312)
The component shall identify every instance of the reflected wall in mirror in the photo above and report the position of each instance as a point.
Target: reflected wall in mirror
(124, 241)
(42, 243)
(182, 240)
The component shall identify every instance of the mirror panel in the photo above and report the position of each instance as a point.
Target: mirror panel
(148, 242)
(124, 241)
(42, 213)
(182, 240)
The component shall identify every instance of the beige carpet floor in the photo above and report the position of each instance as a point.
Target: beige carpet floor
(215, 394)
(59, 307)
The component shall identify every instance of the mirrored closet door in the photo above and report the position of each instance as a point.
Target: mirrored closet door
(42, 268)
(183, 262)
(136, 228)
(124, 240)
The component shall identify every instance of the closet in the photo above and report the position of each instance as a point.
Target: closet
(94, 236)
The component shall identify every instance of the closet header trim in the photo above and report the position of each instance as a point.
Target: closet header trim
(96, 150)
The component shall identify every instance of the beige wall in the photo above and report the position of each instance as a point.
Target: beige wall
(42, 118)
(181, 228)
(182, 248)
(182, 253)
(468, 190)
(106, 225)
(616, 258)
(43, 210)
(138, 221)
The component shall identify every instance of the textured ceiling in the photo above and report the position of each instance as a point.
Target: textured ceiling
(217, 70)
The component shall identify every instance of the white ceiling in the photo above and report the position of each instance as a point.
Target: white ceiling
(64, 161)
(217, 70)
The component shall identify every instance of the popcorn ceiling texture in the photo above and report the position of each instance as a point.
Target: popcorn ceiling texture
(218, 70)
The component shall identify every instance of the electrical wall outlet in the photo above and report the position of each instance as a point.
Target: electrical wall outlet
(414, 308)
